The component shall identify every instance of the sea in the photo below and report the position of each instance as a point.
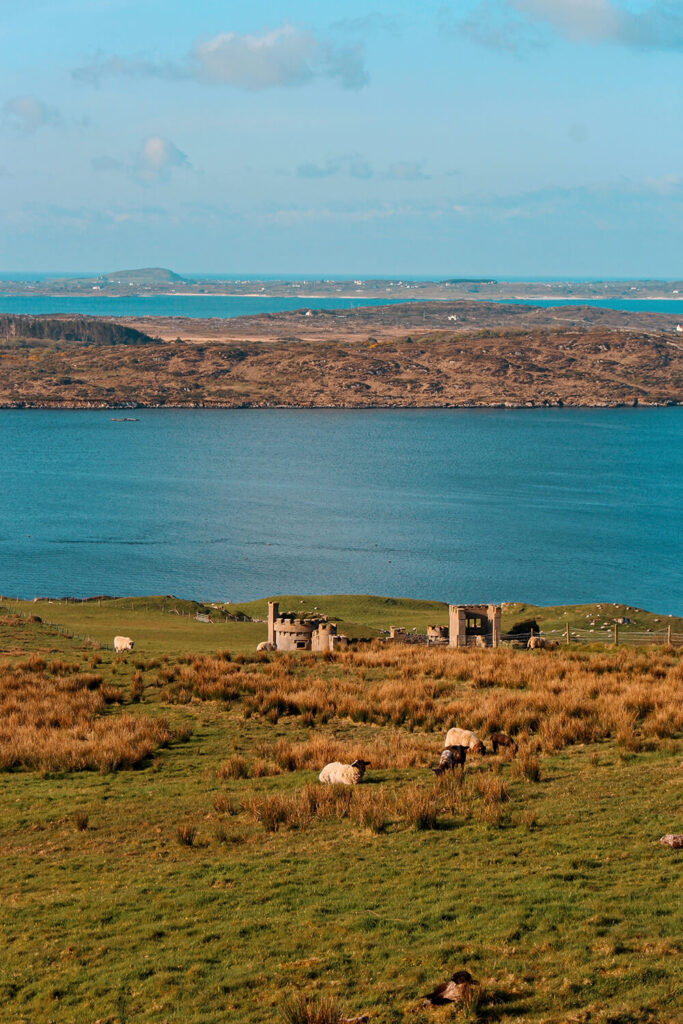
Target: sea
(549, 506)
(228, 306)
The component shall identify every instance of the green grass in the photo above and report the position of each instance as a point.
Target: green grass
(576, 916)
(155, 627)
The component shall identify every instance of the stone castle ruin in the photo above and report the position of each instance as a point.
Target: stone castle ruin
(469, 625)
(289, 633)
(474, 625)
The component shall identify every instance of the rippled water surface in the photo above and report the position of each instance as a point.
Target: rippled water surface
(549, 506)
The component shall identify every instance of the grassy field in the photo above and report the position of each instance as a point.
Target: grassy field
(215, 878)
(168, 625)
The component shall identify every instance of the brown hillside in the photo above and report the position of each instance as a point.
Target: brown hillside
(386, 356)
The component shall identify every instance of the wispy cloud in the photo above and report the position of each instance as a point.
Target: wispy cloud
(155, 161)
(491, 25)
(354, 166)
(357, 167)
(515, 24)
(324, 170)
(284, 57)
(367, 24)
(406, 170)
(659, 25)
(27, 114)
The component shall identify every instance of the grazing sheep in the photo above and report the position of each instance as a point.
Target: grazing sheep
(338, 774)
(266, 645)
(501, 739)
(464, 738)
(123, 643)
(449, 758)
(456, 990)
(536, 643)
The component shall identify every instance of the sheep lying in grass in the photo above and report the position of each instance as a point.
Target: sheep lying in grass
(337, 774)
(501, 739)
(449, 758)
(464, 738)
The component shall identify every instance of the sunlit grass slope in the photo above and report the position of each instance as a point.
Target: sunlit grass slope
(217, 877)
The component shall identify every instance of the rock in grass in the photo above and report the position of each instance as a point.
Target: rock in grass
(674, 841)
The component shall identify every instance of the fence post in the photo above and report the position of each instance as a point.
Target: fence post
(668, 634)
(616, 634)
(568, 636)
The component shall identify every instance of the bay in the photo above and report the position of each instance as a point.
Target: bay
(229, 306)
(192, 306)
(543, 505)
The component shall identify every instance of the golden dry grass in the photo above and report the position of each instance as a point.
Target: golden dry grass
(52, 719)
(547, 700)
(443, 802)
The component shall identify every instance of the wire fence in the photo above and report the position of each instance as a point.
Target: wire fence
(615, 636)
(57, 628)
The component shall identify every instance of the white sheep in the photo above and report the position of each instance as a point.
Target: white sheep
(464, 738)
(338, 774)
(123, 643)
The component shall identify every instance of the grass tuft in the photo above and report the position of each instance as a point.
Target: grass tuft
(300, 1009)
(81, 820)
(186, 834)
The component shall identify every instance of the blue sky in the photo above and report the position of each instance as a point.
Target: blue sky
(516, 138)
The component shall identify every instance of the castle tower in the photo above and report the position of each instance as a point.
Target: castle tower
(273, 613)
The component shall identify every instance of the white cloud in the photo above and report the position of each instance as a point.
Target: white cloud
(156, 159)
(283, 57)
(594, 20)
(28, 114)
(510, 24)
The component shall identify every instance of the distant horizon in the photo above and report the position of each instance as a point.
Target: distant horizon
(37, 275)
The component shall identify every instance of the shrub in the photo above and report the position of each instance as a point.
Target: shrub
(235, 767)
(370, 810)
(81, 820)
(527, 766)
(186, 834)
(137, 687)
(224, 805)
(418, 806)
(271, 811)
(262, 768)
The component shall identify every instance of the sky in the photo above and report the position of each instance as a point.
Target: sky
(502, 138)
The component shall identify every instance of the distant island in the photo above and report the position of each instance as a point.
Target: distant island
(161, 281)
(413, 355)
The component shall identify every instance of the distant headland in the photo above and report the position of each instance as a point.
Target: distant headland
(162, 281)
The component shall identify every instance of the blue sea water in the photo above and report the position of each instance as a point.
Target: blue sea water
(228, 306)
(194, 306)
(672, 306)
(544, 505)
